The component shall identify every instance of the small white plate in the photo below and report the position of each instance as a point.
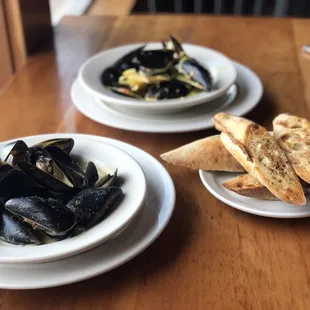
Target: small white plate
(134, 191)
(249, 93)
(222, 69)
(278, 209)
(144, 230)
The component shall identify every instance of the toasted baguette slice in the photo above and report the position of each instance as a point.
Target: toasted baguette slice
(293, 136)
(286, 123)
(246, 185)
(257, 151)
(205, 154)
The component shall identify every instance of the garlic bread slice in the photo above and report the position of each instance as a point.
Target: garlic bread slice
(293, 136)
(257, 151)
(248, 186)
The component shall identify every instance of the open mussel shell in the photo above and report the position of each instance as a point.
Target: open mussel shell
(65, 144)
(129, 60)
(155, 61)
(14, 183)
(45, 179)
(15, 149)
(15, 231)
(195, 74)
(167, 90)
(110, 76)
(68, 166)
(91, 174)
(90, 205)
(48, 215)
(177, 46)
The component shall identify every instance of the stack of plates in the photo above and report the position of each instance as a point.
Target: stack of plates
(138, 219)
(237, 91)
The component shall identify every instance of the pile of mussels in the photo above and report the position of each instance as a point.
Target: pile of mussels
(152, 75)
(46, 196)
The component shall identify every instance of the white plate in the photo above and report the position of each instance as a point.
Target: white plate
(250, 90)
(134, 189)
(278, 209)
(145, 228)
(222, 69)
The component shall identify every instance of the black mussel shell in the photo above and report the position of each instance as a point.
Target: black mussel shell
(64, 159)
(90, 205)
(16, 183)
(129, 60)
(49, 215)
(195, 74)
(91, 174)
(16, 149)
(155, 59)
(43, 178)
(15, 231)
(110, 77)
(69, 166)
(65, 144)
(5, 168)
(167, 90)
(177, 46)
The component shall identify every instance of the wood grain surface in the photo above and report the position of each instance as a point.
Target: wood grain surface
(210, 256)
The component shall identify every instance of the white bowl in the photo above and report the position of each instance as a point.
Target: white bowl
(134, 189)
(222, 69)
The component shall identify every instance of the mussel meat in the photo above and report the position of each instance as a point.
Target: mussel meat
(90, 205)
(48, 215)
(15, 231)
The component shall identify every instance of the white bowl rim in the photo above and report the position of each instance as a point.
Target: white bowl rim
(161, 104)
(45, 256)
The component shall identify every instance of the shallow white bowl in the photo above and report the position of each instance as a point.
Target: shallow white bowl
(134, 191)
(222, 69)
(279, 209)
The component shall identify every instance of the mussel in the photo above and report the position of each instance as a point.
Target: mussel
(165, 73)
(155, 61)
(48, 215)
(167, 90)
(65, 144)
(129, 60)
(15, 231)
(90, 205)
(193, 73)
(110, 77)
(45, 190)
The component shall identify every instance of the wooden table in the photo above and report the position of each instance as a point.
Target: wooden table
(210, 256)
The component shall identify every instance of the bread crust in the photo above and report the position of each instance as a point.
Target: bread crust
(205, 154)
(248, 186)
(257, 151)
(293, 136)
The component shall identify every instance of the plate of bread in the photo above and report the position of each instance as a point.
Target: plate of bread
(251, 169)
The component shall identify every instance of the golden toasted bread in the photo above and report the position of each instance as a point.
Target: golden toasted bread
(248, 186)
(257, 151)
(205, 154)
(293, 136)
